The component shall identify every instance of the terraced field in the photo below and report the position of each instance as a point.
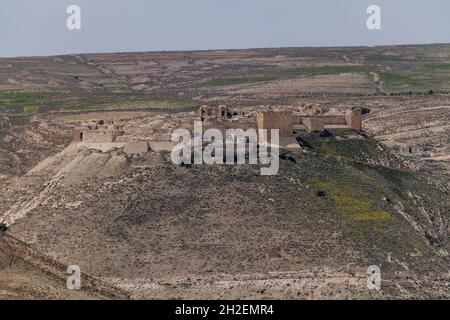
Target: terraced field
(184, 79)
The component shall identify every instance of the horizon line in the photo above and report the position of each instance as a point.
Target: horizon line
(225, 49)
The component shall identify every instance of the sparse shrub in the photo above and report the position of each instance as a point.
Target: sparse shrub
(303, 143)
(365, 110)
(285, 156)
(431, 239)
(325, 133)
(321, 193)
(3, 228)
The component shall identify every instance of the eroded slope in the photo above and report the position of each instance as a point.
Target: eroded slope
(141, 220)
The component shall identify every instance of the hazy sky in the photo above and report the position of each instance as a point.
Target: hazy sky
(38, 27)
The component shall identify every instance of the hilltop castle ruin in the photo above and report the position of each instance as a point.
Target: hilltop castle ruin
(282, 119)
(285, 119)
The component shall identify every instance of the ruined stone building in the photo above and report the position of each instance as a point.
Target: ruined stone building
(109, 134)
(352, 119)
(104, 136)
(99, 132)
(284, 120)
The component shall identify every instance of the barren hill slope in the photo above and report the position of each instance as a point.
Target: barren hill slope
(160, 230)
(163, 231)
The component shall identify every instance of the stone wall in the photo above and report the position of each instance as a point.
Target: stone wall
(313, 124)
(136, 147)
(334, 120)
(271, 119)
(161, 145)
(78, 136)
(98, 136)
(354, 119)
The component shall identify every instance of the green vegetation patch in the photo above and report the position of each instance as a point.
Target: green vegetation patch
(434, 76)
(28, 103)
(15, 99)
(344, 148)
(438, 66)
(352, 203)
(25, 103)
(329, 70)
(124, 101)
(392, 58)
(238, 80)
(402, 82)
(287, 73)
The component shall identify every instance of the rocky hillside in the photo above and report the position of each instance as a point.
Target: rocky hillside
(24, 142)
(160, 230)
